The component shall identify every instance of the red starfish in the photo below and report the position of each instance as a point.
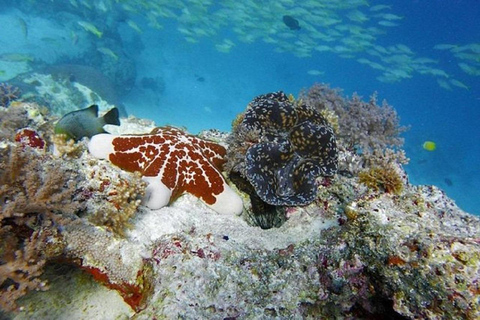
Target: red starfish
(172, 162)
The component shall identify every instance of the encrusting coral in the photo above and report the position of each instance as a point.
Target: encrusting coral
(172, 162)
(115, 199)
(114, 262)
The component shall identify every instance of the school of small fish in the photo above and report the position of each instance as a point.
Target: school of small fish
(350, 29)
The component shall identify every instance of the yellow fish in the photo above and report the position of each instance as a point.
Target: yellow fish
(315, 72)
(108, 52)
(134, 26)
(74, 37)
(23, 26)
(16, 57)
(90, 28)
(429, 145)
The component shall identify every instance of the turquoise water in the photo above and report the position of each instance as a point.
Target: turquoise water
(198, 63)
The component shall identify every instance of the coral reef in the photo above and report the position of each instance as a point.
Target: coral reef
(395, 259)
(29, 137)
(281, 147)
(114, 262)
(28, 242)
(8, 94)
(115, 197)
(48, 204)
(368, 246)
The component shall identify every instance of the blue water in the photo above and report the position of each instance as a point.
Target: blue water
(204, 88)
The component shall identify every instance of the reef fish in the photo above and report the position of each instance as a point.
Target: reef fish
(90, 28)
(85, 122)
(291, 22)
(16, 57)
(429, 145)
(108, 52)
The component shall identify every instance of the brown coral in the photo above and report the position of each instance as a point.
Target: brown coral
(34, 187)
(12, 118)
(121, 197)
(22, 259)
(382, 178)
(8, 93)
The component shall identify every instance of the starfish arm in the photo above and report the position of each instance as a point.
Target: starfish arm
(100, 145)
(157, 195)
(227, 202)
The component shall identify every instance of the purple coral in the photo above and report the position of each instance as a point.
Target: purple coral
(363, 126)
(8, 93)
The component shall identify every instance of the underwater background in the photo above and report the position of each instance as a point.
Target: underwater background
(198, 63)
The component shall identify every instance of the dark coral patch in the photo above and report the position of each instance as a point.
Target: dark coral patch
(295, 146)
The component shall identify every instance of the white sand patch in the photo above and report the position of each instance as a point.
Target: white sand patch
(188, 212)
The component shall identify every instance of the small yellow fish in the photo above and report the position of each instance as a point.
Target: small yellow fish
(429, 145)
(379, 7)
(108, 52)
(387, 23)
(191, 39)
(90, 28)
(315, 72)
(23, 26)
(16, 57)
(459, 84)
(134, 26)
(74, 37)
(225, 46)
(445, 46)
(444, 84)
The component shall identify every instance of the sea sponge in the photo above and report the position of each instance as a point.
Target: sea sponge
(289, 146)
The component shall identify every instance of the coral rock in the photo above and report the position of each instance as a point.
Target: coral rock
(172, 162)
